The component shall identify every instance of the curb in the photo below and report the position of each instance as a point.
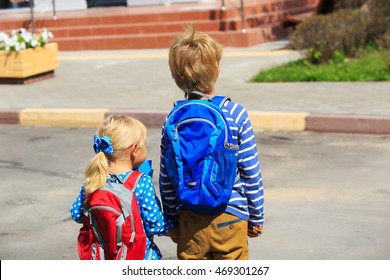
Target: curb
(261, 121)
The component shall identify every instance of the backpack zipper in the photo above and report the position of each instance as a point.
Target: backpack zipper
(218, 113)
(191, 120)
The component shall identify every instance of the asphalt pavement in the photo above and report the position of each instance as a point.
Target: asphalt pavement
(327, 195)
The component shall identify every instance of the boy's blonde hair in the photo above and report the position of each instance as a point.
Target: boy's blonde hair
(124, 132)
(194, 61)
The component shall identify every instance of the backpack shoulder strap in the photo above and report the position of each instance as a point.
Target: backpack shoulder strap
(132, 179)
(220, 100)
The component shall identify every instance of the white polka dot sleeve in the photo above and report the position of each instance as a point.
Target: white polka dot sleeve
(155, 221)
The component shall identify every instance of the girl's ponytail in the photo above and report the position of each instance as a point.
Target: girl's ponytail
(96, 173)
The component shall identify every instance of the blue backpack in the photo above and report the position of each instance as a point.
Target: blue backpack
(199, 154)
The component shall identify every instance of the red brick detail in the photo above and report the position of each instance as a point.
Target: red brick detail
(133, 27)
(348, 124)
(9, 116)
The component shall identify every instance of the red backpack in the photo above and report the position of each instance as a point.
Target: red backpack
(112, 225)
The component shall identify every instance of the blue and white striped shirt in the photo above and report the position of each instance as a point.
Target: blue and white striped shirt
(247, 199)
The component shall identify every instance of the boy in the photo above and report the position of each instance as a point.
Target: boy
(194, 63)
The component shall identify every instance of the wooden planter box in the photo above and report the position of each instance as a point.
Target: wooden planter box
(28, 65)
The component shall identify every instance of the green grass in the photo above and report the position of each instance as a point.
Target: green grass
(372, 66)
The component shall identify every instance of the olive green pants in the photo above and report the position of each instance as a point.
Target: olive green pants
(212, 237)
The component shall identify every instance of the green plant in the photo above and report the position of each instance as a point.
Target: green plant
(373, 65)
(342, 31)
(386, 61)
(338, 57)
(348, 4)
(383, 42)
(379, 19)
(22, 39)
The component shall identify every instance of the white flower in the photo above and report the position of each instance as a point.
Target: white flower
(26, 37)
(17, 46)
(34, 43)
(22, 39)
(8, 41)
(3, 36)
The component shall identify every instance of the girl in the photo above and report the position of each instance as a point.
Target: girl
(120, 147)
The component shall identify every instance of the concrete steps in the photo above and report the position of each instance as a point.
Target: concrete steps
(156, 26)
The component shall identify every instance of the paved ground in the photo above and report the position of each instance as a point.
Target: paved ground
(140, 81)
(327, 196)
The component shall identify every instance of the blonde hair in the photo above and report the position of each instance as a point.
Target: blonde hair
(124, 132)
(194, 61)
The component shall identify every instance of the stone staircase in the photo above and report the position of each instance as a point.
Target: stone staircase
(156, 26)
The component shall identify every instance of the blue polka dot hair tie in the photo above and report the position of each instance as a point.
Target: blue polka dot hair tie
(103, 145)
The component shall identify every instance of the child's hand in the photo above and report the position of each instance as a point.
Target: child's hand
(173, 233)
(255, 231)
(252, 234)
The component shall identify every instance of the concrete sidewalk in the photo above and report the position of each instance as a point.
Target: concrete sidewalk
(91, 85)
